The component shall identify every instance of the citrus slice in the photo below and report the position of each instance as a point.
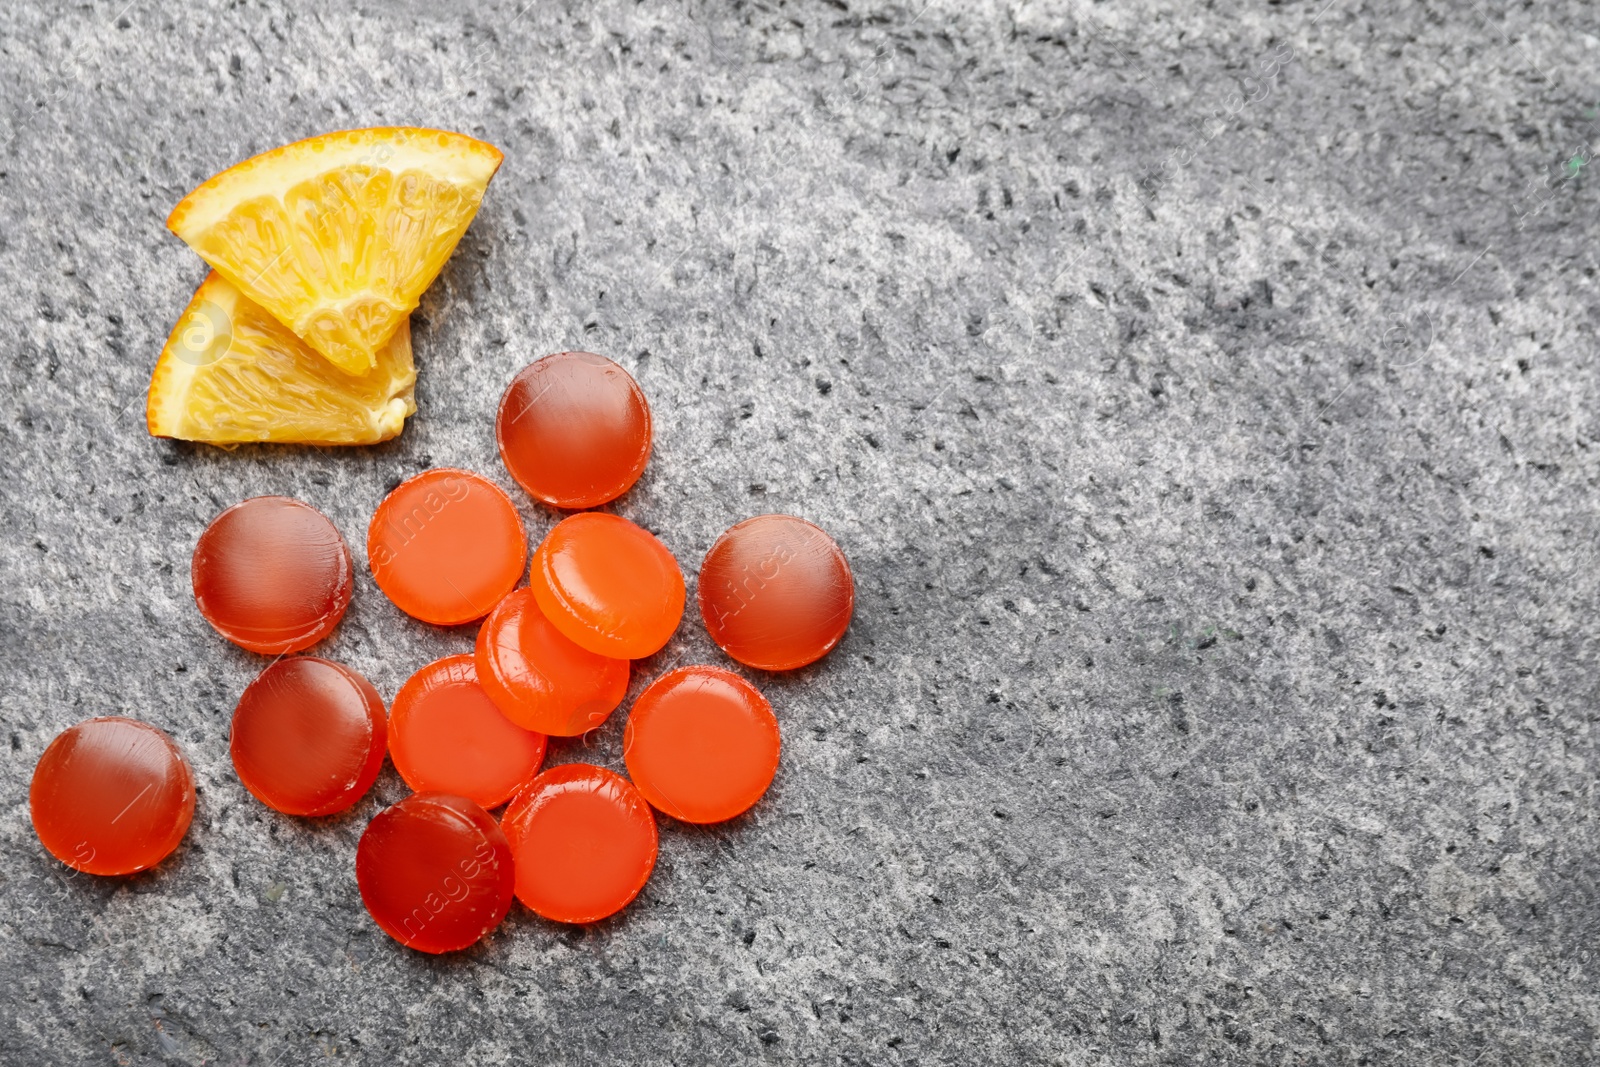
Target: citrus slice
(232, 373)
(338, 236)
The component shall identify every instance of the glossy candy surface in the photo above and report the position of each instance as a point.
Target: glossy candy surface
(584, 841)
(574, 430)
(701, 744)
(446, 546)
(540, 679)
(447, 735)
(111, 796)
(776, 592)
(435, 872)
(609, 585)
(272, 575)
(308, 736)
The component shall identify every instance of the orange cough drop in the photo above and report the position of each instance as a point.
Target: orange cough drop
(776, 593)
(272, 575)
(609, 585)
(445, 734)
(574, 430)
(446, 546)
(111, 796)
(701, 744)
(584, 841)
(539, 678)
(435, 872)
(308, 736)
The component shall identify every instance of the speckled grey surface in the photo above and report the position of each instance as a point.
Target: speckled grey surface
(1205, 395)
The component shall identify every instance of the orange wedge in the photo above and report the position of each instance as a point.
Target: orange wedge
(232, 373)
(338, 236)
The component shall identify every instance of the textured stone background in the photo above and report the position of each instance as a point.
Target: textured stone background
(1205, 395)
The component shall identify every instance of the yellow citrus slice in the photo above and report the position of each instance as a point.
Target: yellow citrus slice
(230, 373)
(339, 235)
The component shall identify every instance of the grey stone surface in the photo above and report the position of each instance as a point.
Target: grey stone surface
(1205, 395)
